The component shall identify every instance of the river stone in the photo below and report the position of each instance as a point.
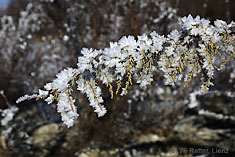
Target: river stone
(45, 135)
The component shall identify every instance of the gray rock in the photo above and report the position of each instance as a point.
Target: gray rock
(45, 135)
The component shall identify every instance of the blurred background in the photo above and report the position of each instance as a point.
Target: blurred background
(39, 38)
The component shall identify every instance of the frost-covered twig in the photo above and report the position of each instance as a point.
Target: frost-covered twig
(8, 114)
(183, 54)
(215, 115)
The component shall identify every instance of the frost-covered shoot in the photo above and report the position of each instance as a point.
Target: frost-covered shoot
(182, 55)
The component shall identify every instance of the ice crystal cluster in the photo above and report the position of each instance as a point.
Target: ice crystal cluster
(192, 51)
